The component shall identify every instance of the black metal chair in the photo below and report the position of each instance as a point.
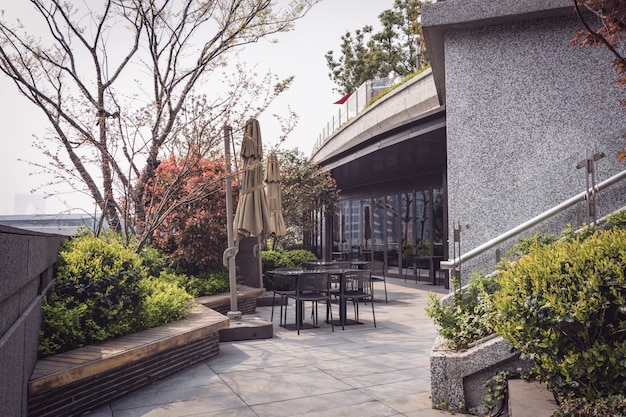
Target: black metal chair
(356, 286)
(314, 287)
(284, 285)
(379, 273)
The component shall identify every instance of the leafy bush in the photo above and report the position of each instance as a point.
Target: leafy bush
(163, 302)
(87, 309)
(96, 257)
(101, 291)
(468, 319)
(206, 284)
(564, 306)
(194, 235)
(153, 260)
(271, 260)
(297, 258)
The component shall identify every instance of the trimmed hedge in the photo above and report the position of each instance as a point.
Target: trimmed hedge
(563, 305)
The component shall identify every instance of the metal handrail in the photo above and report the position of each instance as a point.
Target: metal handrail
(479, 250)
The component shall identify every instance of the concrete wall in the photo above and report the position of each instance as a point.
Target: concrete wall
(523, 105)
(26, 271)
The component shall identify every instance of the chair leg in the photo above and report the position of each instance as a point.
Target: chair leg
(385, 287)
(385, 282)
(330, 307)
(282, 300)
(274, 302)
(373, 314)
(297, 321)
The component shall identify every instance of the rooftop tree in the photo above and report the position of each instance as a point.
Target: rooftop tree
(122, 82)
(306, 187)
(398, 49)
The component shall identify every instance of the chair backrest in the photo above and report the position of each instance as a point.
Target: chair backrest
(358, 279)
(376, 267)
(313, 282)
(284, 282)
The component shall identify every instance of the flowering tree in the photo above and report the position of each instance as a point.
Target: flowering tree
(193, 227)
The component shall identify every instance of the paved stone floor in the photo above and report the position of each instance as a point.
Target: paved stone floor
(360, 371)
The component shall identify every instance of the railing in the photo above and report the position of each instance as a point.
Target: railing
(479, 250)
(354, 105)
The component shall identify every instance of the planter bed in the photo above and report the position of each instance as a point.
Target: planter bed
(71, 383)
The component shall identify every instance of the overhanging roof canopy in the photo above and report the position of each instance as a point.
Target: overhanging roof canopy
(416, 148)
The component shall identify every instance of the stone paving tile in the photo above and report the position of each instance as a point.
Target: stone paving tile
(284, 387)
(312, 404)
(152, 397)
(215, 406)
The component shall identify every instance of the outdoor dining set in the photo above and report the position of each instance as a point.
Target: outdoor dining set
(327, 282)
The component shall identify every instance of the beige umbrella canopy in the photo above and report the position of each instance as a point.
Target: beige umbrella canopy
(274, 197)
(252, 215)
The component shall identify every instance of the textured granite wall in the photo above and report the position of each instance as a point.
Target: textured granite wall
(26, 270)
(523, 105)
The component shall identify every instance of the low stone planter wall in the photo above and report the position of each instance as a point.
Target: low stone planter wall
(458, 377)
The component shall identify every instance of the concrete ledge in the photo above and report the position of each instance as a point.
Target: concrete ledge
(73, 382)
(458, 377)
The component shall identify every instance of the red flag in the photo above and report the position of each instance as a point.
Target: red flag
(343, 99)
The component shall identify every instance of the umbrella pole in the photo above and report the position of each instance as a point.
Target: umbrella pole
(260, 264)
(231, 251)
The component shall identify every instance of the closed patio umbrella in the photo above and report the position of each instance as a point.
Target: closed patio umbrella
(274, 197)
(252, 215)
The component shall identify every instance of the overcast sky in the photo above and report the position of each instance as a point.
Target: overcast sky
(299, 53)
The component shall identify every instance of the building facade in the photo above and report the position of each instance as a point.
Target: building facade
(389, 163)
(497, 134)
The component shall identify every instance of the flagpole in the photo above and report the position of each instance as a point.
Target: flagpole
(231, 251)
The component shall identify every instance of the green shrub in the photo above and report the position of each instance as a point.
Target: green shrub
(163, 302)
(271, 260)
(468, 319)
(617, 220)
(153, 260)
(85, 310)
(298, 257)
(564, 306)
(62, 327)
(101, 291)
(209, 283)
(95, 257)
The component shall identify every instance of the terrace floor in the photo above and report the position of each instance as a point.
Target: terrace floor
(360, 371)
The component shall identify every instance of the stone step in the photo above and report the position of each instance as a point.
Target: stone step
(530, 399)
(247, 328)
